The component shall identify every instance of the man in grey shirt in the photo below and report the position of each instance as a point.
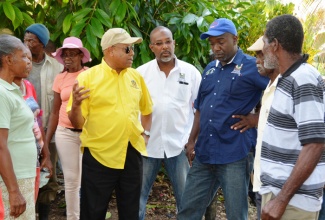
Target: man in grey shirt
(44, 70)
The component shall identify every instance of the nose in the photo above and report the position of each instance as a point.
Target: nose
(215, 47)
(131, 51)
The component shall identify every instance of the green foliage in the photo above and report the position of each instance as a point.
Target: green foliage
(89, 19)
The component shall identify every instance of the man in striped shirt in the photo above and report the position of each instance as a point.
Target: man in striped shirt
(292, 161)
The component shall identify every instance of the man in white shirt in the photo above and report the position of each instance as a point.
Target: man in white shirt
(251, 119)
(173, 85)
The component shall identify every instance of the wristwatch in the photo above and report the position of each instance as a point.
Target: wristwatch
(147, 133)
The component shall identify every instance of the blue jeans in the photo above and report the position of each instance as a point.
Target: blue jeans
(322, 211)
(177, 169)
(202, 183)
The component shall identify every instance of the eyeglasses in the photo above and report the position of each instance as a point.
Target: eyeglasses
(69, 55)
(127, 49)
(159, 44)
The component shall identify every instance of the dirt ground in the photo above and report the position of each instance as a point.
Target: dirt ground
(161, 204)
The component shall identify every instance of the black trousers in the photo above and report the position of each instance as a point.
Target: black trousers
(98, 183)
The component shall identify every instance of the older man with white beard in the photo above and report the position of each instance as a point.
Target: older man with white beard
(292, 159)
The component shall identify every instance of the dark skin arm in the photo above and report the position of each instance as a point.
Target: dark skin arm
(189, 146)
(75, 115)
(45, 155)
(16, 199)
(305, 165)
(146, 121)
(246, 122)
(53, 122)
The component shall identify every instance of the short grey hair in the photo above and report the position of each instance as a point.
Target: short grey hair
(8, 45)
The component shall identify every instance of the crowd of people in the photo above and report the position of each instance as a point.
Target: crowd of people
(112, 126)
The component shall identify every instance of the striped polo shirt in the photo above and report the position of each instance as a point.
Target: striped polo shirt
(296, 118)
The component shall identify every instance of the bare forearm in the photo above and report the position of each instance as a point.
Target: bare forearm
(306, 163)
(195, 128)
(51, 128)
(76, 118)
(7, 171)
(146, 121)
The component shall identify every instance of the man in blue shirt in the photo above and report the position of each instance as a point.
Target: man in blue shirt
(230, 85)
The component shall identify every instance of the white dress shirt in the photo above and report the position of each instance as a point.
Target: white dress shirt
(264, 113)
(173, 111)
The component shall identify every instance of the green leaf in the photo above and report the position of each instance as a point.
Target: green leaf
(77, 29)
(9, 11)
(19, 18)
(174, 20)
(114, 6)
(97, 27)
(81, 14)
(91, 38)
(189, 18)
(120, 13)
(103, 17)
(133, 12)
(206, 12)
(80, 2)
(135, 29)
(66, 23)
(199, 22)
(108, 215)
(27, 19)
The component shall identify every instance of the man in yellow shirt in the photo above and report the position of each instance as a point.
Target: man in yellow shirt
(105, 103)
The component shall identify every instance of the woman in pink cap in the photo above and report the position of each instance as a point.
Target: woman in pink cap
(73, 56)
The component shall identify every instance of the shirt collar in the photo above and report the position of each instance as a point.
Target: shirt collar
(236, 59)
(109, 69)
(8, 86)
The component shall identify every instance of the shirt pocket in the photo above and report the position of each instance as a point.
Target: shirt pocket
(180, 91)
(238, 85)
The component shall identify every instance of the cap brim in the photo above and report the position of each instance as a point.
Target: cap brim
(132, 40)
(211, 33)
(257, 46)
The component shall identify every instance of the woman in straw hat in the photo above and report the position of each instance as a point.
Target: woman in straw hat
(73, 56)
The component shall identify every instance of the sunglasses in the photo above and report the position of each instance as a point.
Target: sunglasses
(127, 49)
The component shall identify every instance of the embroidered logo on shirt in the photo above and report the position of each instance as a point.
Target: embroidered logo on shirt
(237, 69)
(210, 71)
(181, 79)
(134, 84)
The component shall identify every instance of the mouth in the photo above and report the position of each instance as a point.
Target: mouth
(166, 53)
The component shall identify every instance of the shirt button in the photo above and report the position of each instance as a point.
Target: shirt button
(218, 80)
(211, 106)
(214, 93)
(204, 78)
(221, 68)
(210, 120)
(210, 135)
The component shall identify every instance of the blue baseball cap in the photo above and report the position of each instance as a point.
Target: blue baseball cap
(219, 27)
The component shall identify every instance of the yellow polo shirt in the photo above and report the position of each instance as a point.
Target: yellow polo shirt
(112, 113)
